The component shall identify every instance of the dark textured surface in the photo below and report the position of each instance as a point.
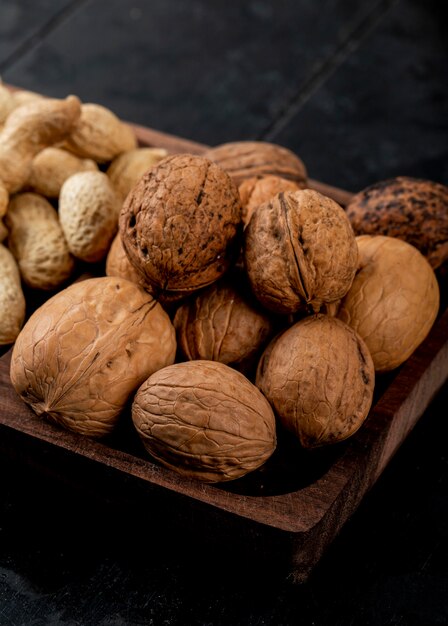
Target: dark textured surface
(360, 91)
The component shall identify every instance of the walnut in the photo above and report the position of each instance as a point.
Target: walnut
(299, 251)
(256, 191)
(204, 420)
(84, 352)
(180, 225)
(411, 209)
(393, 301)
(222, 324)
(248, 159)
(319, 378)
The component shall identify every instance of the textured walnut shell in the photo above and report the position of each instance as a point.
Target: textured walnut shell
(220, 324)
(180, 225)
(319, 378)
(118, 264)
(256, 191)
(51, 168)
(393, 301)
(126, 169)
(88, 211)
(12, 300)
(248, 159)
(84, 352)
(204, 420)
(299, 251)
(36, 240)
(411, 209)
(100, 135)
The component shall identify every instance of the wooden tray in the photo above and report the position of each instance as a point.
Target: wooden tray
(299, 501)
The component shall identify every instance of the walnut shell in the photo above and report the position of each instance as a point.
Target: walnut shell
(248, 159)
(220, 324)
(393, 301)
(204, 420)
(411, 209)
(180, 225)
(118, 264)
(299, 250)
(256, 191)
(84, 352)
(319, 378)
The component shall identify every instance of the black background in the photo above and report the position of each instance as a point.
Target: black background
(360, 91)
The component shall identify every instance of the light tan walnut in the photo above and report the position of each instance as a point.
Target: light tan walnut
(118, 264)
(222, 324)
(12, 300)
(256, 191)
(88, 211)
(51, 168)
(204, 420)
(319, 378)
(100, 135)
(393, 301)
(36, 240)
(249, 159)
(126, 169)
(299, 251)
(84, 352)
(181, 224)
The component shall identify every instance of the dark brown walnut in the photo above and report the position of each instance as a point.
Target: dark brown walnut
(411, 209)
(84, 352)
(181, 224)
(256, 191)
(204, 420)
(222, 324)
(299, 251)
(319, 378)
(393, 301)
(249, 159)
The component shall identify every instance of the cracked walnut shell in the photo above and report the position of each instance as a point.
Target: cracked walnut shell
(84, 352)
(204, 420)
(393, 301)
(299, 251)
(180, 224)
(319, 378)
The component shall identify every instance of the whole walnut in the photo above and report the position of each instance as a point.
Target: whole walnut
(256, 191)
(249, 159)
(204, 420)
(393, 301)
(319, 378)
(84, 352)
(411, 209)
(221, 324)
(299, 251)
(181, 224)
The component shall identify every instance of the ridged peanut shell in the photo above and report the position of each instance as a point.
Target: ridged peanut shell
(204, 420)
(12, 300)
(84, 352)
(412, 209)
(248, 159)
(299, 251)
(100, 135)
(36, 239)
(319, 378)
(181, 223)
(127, 168)
(88, 211)
(393, 301)
(51, 168)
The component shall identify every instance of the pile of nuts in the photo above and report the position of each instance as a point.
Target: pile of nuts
(236, 299)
